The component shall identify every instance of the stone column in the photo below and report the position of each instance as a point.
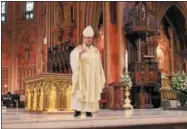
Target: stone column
(107, 40)
(82, 6)
(48, 23)
(172, 50)
(10, 73)
(14, 55)
(48, 27)
(39, 44)
(120, 36)
(78, 23)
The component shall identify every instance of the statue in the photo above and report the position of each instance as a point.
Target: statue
(163, 51)
(27, 52)
(58, 14)
(143, 11)
(52, 99)
(34, 99)
(41, 99)
(160, 55)
(28, 97)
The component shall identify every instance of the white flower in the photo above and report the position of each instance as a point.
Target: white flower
(126, 79)
(179, 82)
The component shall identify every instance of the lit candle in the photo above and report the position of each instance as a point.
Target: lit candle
(6, 86)
(45, 40)
(126, 61)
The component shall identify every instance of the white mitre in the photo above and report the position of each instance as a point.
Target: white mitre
(88, 32)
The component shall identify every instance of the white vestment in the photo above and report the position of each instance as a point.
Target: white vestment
(87, 79)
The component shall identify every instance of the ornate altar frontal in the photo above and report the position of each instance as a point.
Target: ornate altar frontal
(48, 92)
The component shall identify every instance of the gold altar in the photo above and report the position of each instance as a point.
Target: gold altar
(48, 92)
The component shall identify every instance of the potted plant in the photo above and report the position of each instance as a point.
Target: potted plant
(179, 85)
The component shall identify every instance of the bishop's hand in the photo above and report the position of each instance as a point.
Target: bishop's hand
(82, 50)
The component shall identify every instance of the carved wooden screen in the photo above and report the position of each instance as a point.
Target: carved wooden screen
(139, 18)
(144, 73)
(148, 47)
(59, 58)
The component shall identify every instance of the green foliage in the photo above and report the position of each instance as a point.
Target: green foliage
(157, 88)
(179, 82)
(125, 77)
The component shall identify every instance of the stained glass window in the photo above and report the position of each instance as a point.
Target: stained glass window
(3, 11)
(29, 10)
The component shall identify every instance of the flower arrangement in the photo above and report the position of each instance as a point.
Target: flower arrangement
(125, 77)
(179, 83)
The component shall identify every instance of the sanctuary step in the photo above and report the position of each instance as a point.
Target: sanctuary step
(104, 119)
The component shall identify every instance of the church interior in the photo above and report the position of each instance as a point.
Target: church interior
(146, 39)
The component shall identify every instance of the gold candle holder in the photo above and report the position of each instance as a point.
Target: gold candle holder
(127, 104)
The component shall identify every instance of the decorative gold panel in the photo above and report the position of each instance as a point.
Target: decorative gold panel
(168, 94)
(48, 92)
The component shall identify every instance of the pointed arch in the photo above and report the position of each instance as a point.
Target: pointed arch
(167, 12)
(163, 12)
(23, 32)
(5, 37)
(26, 47)
(5, 44)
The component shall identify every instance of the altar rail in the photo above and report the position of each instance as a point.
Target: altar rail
(48, 92)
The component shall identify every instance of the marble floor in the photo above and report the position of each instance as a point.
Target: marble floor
(18, 118)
